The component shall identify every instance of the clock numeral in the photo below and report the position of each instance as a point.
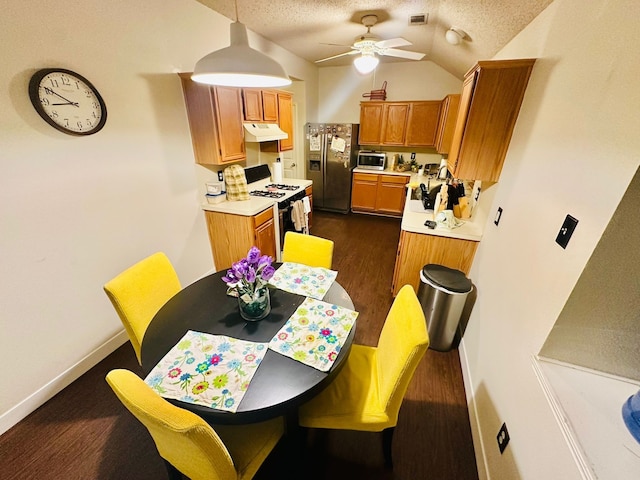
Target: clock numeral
(44, 101)
(54, 82)
(65, 81)
(48, 91)
(77, 85)
(66, 122)
(95, 105)
(89, 123)
(87, 93)
(53, 114)
(79, 123)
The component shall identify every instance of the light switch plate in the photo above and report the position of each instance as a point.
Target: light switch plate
(566, 231)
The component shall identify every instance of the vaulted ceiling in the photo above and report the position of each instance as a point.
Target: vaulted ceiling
(306, 27)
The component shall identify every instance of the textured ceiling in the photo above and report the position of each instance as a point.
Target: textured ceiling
(303, 26)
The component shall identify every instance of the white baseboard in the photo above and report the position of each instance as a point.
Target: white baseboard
(478, 444)
(40, 396)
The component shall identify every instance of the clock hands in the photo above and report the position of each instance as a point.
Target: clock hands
(68, 102)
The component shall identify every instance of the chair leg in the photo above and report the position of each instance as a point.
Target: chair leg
(387, 438)
(173, 472)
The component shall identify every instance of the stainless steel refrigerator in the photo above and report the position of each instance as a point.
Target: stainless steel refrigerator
(331, 151)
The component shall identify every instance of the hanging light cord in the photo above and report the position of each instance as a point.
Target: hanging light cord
(235, 3)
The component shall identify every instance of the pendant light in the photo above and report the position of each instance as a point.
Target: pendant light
(366, 63)
(239, 65)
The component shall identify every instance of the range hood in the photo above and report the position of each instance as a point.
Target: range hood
(263, 132)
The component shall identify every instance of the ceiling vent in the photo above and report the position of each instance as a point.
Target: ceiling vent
(418, 19)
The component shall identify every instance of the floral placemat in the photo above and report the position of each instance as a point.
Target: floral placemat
(315, 333)
(205, 369)
(303, 280)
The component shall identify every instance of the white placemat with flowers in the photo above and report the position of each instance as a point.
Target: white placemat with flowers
(303, 280)
(315, 333)
(205, 369)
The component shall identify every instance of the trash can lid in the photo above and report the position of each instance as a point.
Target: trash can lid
(445, 277)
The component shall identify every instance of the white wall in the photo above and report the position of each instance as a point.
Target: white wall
(76, 211)
(341, 88)
(574, 151)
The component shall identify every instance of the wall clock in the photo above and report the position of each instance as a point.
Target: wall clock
(67, 101)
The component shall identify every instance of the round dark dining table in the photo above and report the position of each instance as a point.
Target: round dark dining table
(280, 383)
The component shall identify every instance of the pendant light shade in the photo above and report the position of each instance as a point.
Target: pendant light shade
(239, 65)
(366, 63)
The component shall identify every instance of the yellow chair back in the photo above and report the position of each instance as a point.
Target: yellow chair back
(402, 344)
(138, 293)
(307, 249)
(183, 439)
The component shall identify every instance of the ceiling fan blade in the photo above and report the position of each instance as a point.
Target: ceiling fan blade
(352, 52)
(393, 42)
(393, 52)
(336, 44)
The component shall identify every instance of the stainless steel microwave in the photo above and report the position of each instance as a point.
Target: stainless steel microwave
(371, 160)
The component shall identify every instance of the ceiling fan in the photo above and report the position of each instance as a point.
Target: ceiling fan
(368, 46)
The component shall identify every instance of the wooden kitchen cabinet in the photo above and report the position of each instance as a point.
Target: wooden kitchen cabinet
(491, 97)
(231, 236)
(422, 124)
(394, 123)
(447, 123)
(260, 105)
(407, 124)
(378, 193)
(370, 132)
(285, 122)
(415, 250)
(215, 121)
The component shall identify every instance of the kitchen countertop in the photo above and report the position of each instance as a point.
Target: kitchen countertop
(254, 205)
(414, 216)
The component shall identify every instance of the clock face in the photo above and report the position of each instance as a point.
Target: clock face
(67, 101)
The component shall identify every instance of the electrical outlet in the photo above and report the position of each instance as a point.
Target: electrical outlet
(566, 231)
(413, 156)
(503, 437)
(220, 175)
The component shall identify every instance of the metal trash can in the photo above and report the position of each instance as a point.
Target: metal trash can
(442, 293)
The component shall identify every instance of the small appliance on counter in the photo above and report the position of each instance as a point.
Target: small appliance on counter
(371, 160)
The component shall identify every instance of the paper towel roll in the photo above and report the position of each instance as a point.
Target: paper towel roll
(276, 172)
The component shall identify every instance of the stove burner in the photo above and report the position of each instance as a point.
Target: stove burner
(282, 186)
(262, 193)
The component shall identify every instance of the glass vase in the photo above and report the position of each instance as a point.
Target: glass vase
(255, 307)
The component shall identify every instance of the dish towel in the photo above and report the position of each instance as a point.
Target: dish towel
(298, 217)
(236, 182)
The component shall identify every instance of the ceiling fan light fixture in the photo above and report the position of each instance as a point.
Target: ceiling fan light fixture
(239, 65)
(366, 63)
(454, 36)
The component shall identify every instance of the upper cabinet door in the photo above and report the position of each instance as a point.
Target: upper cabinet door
(215, 122)
(447, 123)
(492, 94)
(269, 106)
(228, 101)
(370, 123)
(422, 124)
(252, 100)
(285, 114)
(394, 123)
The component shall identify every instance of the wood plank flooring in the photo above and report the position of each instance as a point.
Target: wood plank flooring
(85, 433)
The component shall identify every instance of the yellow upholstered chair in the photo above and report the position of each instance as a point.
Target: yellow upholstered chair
(367, 393)
(187, 443)
(138, 293)
(307, 249)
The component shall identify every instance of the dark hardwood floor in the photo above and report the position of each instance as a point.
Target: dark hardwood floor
(85, 433)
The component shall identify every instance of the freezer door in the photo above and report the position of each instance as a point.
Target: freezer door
(314, 161)
(338, 165)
